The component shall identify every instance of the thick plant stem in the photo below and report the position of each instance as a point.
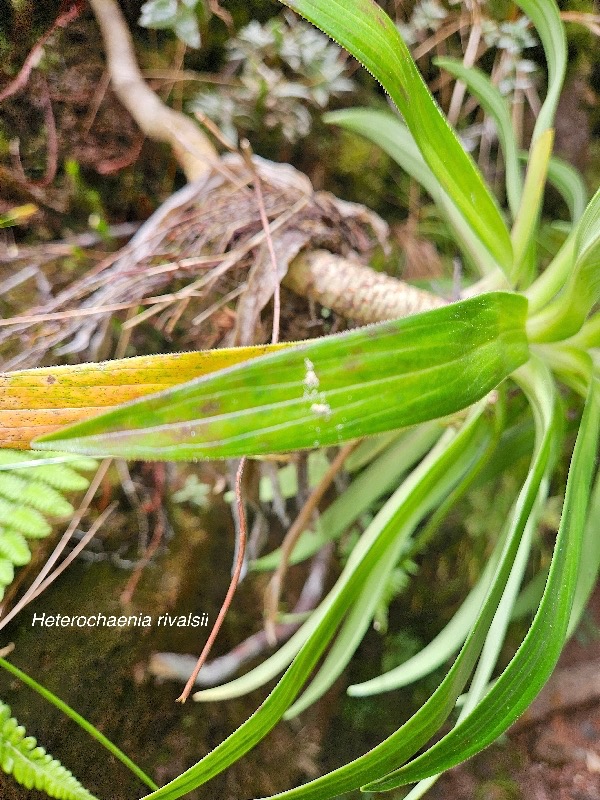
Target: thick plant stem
(355, 291)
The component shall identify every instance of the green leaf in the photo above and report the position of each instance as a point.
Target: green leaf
(324, 392)
(411, 736)
(590, 559)
(536, 381)
(387, 131)
(362, 611)
(495, 638)
(26, 520)
(535, 659)
(448, 642)
(494, 104)
(363, 28)
(544, 15)
(81, 721)
(31, 766)
(14, 547)
(158, 14)
(529, 210)
(405, 505)
(186, 27)
(568, 181)
(565, 315)
(37, 401)
(39, 495)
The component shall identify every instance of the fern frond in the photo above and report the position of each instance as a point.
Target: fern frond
(59, 476)
(32, 766)
(35, 493)
(14, 547)
(24, 519)
(28, 495)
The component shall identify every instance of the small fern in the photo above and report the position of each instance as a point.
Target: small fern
(32, 766)
(28, 495)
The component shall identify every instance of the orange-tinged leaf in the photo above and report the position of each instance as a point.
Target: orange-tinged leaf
(34, 402)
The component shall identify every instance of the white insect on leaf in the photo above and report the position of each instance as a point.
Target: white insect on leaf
(311, 381)
(321, 409)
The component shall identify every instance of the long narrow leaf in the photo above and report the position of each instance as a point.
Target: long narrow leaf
(321, 393)
(404, 505)
(38, 401)
(529, 210)
(565, 315)
(568, 181)
(494, 104)
(388, 131)
(361, 613)
(534, 661)
(448, 641)
(494, 640)
(537, 382)
(546, 18)
(363, 28)
(81, 721)
(590, 559)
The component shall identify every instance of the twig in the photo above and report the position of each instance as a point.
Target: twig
(18, 278)
(52, 147)
(97, 99)
(131, 492)
(81, 545)
(219, 303)
(273, 590)
(192, 148)
(247, 154)
(232, 586)
(590, 21)
(52, 136)
(159, 531)
(458, 92)
(221, 13)
(111, 165)
(64, 247)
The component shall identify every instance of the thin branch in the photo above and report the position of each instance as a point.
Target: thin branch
(247, 154)
(157, 537)
(232, 586)
(191, 147)
(273, 590)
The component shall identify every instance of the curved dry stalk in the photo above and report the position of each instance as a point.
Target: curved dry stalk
(191, 147)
